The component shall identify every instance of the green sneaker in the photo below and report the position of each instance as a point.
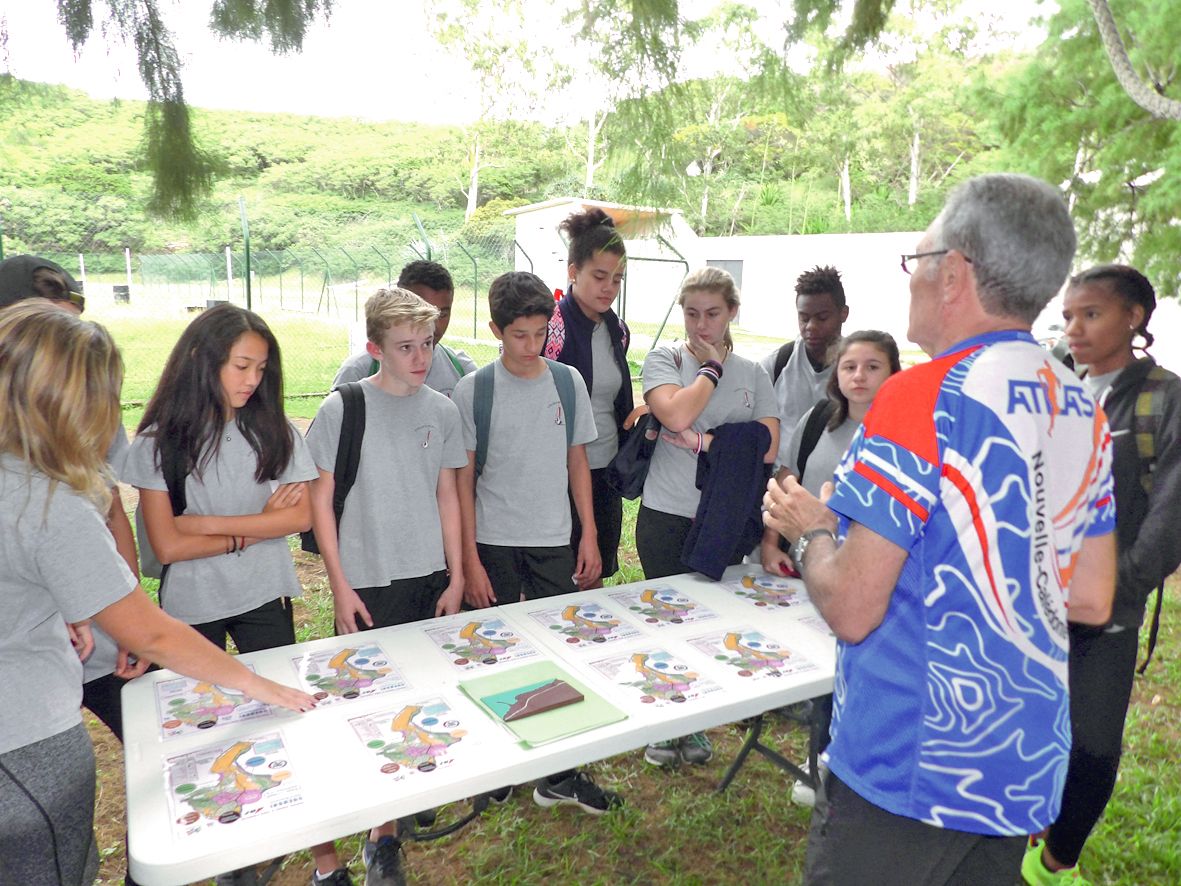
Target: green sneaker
(663, 753)
(1035, 872)
(696, 748)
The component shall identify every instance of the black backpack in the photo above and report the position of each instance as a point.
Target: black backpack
(781, 358)
(348, 456)
(818, 416)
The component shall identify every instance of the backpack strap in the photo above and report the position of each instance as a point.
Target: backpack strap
(482, 411)
(818, 415)
(1150, 405)
(459, 370)
(781, 358)
(348, 456)
(482, 405)
(172, 466)
(348, 448)
(564, 382)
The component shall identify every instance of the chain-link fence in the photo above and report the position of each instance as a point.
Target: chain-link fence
(312, 295)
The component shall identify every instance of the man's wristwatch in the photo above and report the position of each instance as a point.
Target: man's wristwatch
(801, 546)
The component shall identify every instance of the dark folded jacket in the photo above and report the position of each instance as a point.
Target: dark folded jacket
(732, 478)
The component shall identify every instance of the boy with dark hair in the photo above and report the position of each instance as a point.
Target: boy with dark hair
(800, 375)
(410, 450)
(432, 282)
(523, 456)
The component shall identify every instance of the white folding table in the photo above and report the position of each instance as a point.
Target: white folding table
(330, 776)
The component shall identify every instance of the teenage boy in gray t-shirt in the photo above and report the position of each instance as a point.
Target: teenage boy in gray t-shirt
(516, 514)
(433, 283)
(397, 555)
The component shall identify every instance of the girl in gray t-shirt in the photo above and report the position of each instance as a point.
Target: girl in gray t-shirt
(216, 419)
(692, 388)
(59, 398)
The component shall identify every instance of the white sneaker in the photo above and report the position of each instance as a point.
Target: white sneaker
(801, 794)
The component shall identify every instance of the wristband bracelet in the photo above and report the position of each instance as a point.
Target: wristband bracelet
(715, 366)
(700, 440)
(710, 373)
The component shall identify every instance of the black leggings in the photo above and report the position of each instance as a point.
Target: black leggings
(660, 540)
(1102, 666)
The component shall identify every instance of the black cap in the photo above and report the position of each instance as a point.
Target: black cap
(17, 281)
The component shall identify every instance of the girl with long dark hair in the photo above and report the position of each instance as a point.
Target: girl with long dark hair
(215, 425)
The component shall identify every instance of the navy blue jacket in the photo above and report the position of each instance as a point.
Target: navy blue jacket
(732, 478)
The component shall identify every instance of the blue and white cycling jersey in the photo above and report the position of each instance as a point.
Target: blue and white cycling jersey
(990, 465)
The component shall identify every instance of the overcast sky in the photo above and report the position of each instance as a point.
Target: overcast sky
(373, 59)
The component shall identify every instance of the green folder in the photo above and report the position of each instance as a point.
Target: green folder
(590, 713)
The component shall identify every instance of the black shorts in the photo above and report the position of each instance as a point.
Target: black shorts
(853, 841)
(271, 624)
(403, 600)
(608, 510)
(528, 572)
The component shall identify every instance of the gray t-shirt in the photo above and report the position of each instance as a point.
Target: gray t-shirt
(744, 394)
(824, 458)
(102, 661)
(799, 388)
(390, 527)
(58, 564)
(224, 585)
(521, 495)
(441, 377)
(607, 379)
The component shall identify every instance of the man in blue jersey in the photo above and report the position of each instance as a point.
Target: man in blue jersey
(975, 514)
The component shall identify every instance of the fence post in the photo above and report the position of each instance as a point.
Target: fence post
(127, 263)
(426, 241)
(326, 286)
(356, 281)
(389, 268)
(82, 269)
(246, 239)
(229, 274)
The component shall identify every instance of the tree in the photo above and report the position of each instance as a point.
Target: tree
(181, 171)
(1066, 118)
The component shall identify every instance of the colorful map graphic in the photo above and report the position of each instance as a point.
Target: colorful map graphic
(347, 672)
(662, 606)
(186, 706)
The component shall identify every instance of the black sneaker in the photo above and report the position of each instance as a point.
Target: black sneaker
(576, 790)
(383, 862)
(426, 818)
(339, 877)
(500, 796)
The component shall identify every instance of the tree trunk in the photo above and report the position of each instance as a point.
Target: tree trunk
(845, 190)
(1138, 91)
(473, 182)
